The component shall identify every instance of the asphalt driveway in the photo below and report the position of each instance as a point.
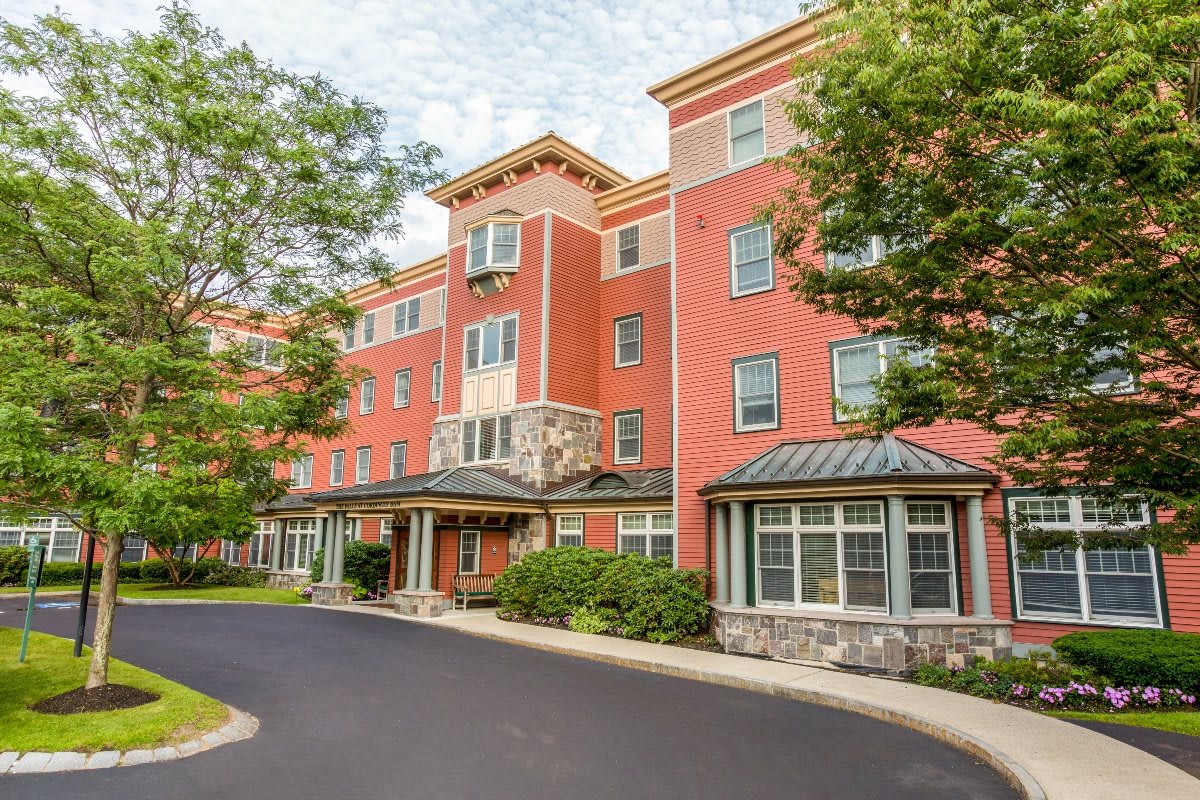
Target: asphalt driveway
(355, 706)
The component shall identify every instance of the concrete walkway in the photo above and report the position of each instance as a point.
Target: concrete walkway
(1042, 757)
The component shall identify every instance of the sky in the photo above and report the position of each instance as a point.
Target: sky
(476, 78)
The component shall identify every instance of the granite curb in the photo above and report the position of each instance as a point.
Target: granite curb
(240, 726)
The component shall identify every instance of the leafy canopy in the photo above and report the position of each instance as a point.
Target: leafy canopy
(1033, 173)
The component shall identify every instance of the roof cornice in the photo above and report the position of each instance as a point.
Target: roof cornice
(641, 189)
(773, 44)
(413, 272)
(550, 147)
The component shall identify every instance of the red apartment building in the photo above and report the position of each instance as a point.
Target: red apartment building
(612, 362)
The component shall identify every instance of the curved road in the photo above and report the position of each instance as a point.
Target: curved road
(355, 706)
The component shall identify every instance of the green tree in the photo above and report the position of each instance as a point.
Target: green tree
(1030, 173)
(164, 185)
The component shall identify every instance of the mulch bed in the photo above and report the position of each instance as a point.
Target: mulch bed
(113, 697)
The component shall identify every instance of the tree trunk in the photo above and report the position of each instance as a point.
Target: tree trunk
(98, 671)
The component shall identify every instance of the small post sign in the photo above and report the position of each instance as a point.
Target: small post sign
(37, 558)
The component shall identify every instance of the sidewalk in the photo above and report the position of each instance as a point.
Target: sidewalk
(1042, 757)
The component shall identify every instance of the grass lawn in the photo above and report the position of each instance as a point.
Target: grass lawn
(201, 591)
(178, 715)
(1177, 721)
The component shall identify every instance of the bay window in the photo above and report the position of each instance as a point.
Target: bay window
(930, 557)
(493, 245)
(299, 539)
(260, 544)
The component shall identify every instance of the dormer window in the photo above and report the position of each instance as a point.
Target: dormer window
(492, 245)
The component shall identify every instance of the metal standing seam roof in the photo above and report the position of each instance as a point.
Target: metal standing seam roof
(452, 482)
(635, 484)
(289, 502)
(830, 460)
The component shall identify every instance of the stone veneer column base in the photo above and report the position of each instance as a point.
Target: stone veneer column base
(861, 640)
(332, 594)
(278, 579)
(418, 603)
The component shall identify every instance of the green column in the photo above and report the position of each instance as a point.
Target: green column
(414, 549)
(897, 567)
(339, 547)
(722, 552)
(330, 532)
(981, 590)
(426, 576)
(277, 545)
(737, 554)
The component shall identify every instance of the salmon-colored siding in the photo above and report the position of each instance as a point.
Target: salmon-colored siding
(574, 284)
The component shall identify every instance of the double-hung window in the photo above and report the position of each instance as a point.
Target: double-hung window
(299, 541)
(751, 268)
(348, 338)
(486, 438)
(231, 553)
(930, 557)
(651, 535)
(436, 393)
(302, 472)
(263, 352)
(362, 465)
(627, 341)
(1096, 586)
(341, 408)
(871, 251)
(398, 460)
(385, 531)
(368, 328)
(746, 135)
(491, 343)
(468, 553)
(627, 437)
(492, 245)
(260, 544)
(569, 530)
(401, 391)
(135, 548)
(629, 247)
(822, 554)
(406, 316)
(756, 393)
(366, 396)
(858, 364)
(337, 467)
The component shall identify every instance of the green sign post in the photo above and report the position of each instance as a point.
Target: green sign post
(37, 557)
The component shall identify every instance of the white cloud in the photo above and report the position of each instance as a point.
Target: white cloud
(477, 78)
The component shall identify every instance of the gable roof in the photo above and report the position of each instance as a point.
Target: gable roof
(885, 458)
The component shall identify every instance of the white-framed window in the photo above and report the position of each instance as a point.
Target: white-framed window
(651, 535)
(366, 397)
(756, 393)
(486, 439)
(747, 139)
(368, 328)
(231, 553)
(300, 536)
(362, 465)
(205, 332)
(263, 352)
(348, 339)
(406, 316)
(436, 392)
(1109, 586)
(627, 341)
(872, 250)
(61, 538)
(135, 548)
(627, 437)
(302, 472)
(857, 365)
(468, 552)
(400, 394)
(260, 544)
(931, 557)
(397, 463)
(337, 467)
(629, 247)
(751, 267)
(569, 530)
(490, 344)
(385, 531)
(341, 408)
(495, 244)
(822, 555)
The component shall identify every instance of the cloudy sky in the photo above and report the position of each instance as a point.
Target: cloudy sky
(477, 78)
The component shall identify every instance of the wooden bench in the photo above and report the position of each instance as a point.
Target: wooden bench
(468, 586)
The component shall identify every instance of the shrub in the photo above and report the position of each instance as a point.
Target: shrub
(552, 582)
(365, 564)
(153, 570)
(586, 620)
(229, 575)
(14, 561)
(316, 571)
(652, 599)
(1137, 657)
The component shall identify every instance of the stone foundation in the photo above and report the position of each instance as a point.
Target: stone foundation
(277, 579)
(332, 594)
(417, 603)
(860, 639)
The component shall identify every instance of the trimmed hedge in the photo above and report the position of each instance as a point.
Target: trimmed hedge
(14, 561)
(365, 564)
(228, 575)
(1165, 659)
(643, 598)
